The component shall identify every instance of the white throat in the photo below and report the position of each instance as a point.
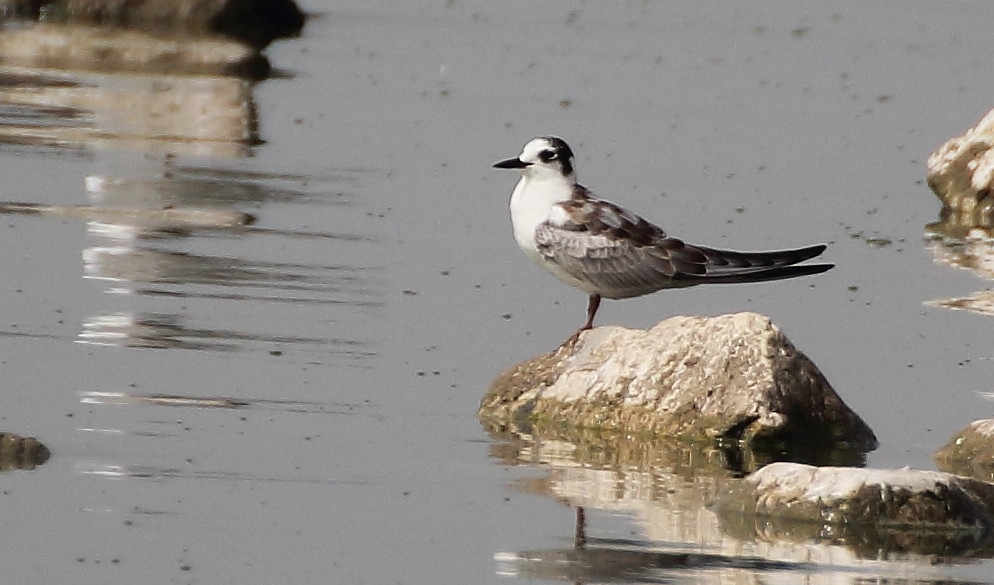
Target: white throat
(532, 200)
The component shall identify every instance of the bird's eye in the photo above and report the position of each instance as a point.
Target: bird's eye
(547, 155)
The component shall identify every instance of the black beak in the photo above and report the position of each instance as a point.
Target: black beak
(511, 163)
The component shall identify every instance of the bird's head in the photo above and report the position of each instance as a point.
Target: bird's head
(542, 157)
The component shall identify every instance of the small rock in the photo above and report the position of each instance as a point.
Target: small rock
(961, 173)
(17, 452)
(850, 495)
(970, 451)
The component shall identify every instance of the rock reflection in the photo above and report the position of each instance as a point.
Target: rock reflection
(161, 474)
(864, 541)
(156, 331)
(224, 402)
(667, 488)
(194, 115)
(964, 245)
(174, 238)
(187, 186)
(141, 223)
(350, 284)
(136, 259)
(606, 561)
(149, 221)
(959, 173)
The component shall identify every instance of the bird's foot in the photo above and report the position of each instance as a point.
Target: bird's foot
(573, 339)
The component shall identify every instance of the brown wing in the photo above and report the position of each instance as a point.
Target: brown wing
(618, 254)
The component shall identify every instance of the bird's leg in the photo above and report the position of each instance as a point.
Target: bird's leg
(580, 529)
(592, 303)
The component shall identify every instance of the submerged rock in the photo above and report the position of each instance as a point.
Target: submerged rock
(254, 22)
(961, 172)
(17, 452)
(895, 498)
(694, 378)
(970, 451)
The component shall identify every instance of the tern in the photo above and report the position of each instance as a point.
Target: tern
(609, 252)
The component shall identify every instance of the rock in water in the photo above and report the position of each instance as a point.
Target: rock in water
(961, 173)
(971, 451)
(695, 378)
(254, 22)
(850, 496)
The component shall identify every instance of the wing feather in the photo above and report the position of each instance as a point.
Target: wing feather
(618, 254)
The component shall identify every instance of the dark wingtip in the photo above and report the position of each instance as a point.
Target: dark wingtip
(780, 273)
(815, 268)
(810, 252)
(794, 271)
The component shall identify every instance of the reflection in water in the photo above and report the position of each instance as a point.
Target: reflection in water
(160, 400)
(158, 429)
(174, 238)
(610, 560)
(964, 246)
(981, 302)
(865, 541)
(174, 241)
(149, 221)
(142, 223)
(667, 488)
(143, 266)
(201, 115)
(974, 252)
(217, 187)
(168, 473)
(146, 264)
(177, 400)
(162, 473)
(150, 330)
(175, 245)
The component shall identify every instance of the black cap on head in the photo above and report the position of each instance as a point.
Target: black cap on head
(562, 152)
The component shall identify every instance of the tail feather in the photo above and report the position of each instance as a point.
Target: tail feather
(769, 274)
(728, 266)
(719, 260)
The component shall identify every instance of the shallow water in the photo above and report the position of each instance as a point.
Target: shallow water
(294, 400)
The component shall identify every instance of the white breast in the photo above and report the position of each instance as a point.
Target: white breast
(532, 201)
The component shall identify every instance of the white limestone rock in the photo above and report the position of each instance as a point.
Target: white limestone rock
(892, 498)
(961, 171)
(696, 378)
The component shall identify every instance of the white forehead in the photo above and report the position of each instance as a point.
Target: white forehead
(535, 146)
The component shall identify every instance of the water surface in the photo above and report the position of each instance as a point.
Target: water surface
(293, 400)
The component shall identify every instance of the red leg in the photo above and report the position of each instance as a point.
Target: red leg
(592, 304)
